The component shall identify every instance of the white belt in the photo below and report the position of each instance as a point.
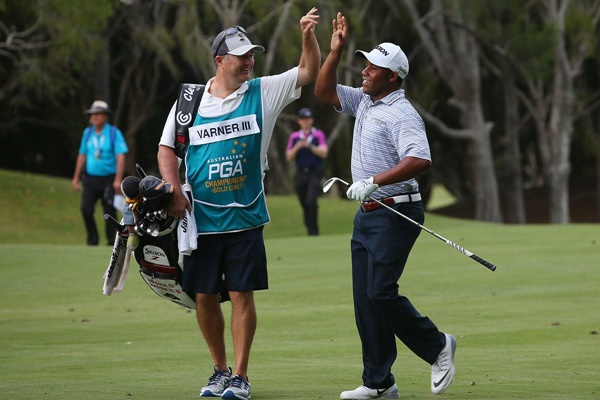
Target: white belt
(402, 198)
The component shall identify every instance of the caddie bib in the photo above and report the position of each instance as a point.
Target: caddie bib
(223, 166)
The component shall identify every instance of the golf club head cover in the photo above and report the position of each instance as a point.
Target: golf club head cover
(152, 187)
(130, 187)
(153, 207)
(361, 190)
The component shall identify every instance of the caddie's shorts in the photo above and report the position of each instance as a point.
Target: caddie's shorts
(233, 262)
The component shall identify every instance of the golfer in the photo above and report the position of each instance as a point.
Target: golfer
(389, 150)
(225, 166)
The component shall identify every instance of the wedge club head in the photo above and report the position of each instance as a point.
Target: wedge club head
(329, 183)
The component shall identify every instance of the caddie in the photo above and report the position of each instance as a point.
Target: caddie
(225, 165)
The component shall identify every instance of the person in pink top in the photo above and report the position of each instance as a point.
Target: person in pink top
(308, 147)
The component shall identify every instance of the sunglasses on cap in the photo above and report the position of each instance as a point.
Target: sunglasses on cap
(229, 32)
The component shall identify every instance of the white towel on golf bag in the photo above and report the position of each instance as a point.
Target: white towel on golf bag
(132, 242)
(116, 265)
(109, 282)
(187, 231)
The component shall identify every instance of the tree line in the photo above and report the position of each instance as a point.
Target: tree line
(509, 90)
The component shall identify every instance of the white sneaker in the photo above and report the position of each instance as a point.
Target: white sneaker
(364, 393)
(442, 370)
(239, 389)
(217, 383)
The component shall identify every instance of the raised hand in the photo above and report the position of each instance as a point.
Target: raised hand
(340, 33)
(309, 22)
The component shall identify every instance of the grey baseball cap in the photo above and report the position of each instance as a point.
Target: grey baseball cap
(233, 41)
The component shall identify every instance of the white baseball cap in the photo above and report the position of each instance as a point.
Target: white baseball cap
(387, 55)
(233, 41)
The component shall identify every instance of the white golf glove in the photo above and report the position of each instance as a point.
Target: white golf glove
(361, 190)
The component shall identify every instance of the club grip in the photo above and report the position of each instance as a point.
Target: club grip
(483, 262)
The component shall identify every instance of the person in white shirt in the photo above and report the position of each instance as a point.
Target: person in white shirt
(225, 166)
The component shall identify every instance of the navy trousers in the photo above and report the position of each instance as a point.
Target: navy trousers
(307, 184)
(381, 243)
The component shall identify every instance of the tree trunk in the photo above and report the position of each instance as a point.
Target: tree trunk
(510, 166)
(101, 83)
(596, 136)
(445, 34)
(559, 195)
(560, 131)
(484, 176)
(553, 110)
(557, 166)
(598, 183)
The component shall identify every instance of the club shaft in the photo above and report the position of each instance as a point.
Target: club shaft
(109, 218)
(140, 170)
(466, 252)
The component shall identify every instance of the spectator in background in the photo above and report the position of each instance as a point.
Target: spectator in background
(100, 167)
(309, 148)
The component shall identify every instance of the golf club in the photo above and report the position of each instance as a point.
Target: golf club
(140, 170)
(329, 183)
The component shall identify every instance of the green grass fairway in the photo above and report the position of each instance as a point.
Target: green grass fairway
(527, 331)
(44, 209)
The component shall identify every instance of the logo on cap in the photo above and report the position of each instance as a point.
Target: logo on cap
(384, 51)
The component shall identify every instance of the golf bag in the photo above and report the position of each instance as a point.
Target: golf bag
(157, 252)
(152, 238)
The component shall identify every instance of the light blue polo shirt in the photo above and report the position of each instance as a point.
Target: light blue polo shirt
(101, 150)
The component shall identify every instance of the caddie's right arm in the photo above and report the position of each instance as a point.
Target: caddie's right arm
(308, 67)
(169, 170)
(168, 165)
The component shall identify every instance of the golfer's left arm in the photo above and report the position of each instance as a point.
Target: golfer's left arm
(408, 168)
(310, 60)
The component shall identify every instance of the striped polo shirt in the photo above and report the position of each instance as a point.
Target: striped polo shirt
(385, 132)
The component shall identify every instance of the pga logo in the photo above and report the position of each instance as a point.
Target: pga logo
(226, 169)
